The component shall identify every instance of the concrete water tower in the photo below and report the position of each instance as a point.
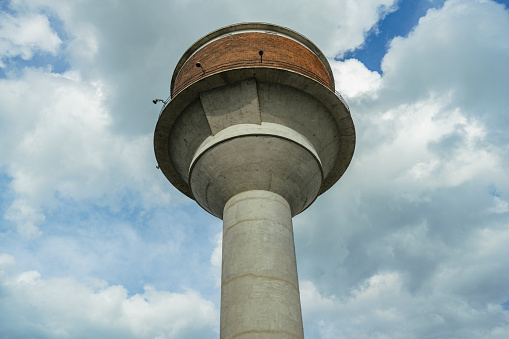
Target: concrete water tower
(255, 132)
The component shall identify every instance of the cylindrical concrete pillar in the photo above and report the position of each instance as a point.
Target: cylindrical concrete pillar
(259, 289)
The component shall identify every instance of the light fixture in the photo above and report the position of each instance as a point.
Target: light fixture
(200, 66)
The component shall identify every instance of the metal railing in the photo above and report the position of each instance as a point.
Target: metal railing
(251, 63)
(342, 100)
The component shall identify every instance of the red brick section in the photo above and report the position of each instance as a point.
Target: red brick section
(241, 50)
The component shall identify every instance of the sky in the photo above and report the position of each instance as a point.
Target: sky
(412, 242)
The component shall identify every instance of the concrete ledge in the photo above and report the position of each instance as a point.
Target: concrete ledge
(266, 128)
(255, 162)
(278, 76)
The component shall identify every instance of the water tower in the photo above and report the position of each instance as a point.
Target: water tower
(255, 132)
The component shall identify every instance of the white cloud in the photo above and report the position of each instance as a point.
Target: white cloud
(479, 274)
(26, 218)
(216, 258)
(346, 22)
(65, 308)
(24, 35)
(421, 146)
(410, 243)
(58, 141)
(501, 206)
(311, 299)
(133, 48)
(381, 307)
(7, 262)
(86, 134)
(460, 49)
(353, 79)
(422, 126)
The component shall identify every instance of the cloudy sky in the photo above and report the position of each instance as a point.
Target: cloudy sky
(412, 242)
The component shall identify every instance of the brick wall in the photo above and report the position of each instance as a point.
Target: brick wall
(241, 50)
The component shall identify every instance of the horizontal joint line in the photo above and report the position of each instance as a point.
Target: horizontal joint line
(257, 219)
(266, 331)
(257, 198)
(259, 276)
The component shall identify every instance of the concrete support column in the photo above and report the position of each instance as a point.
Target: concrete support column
(260, 291)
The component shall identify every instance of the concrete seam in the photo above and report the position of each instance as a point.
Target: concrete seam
(258, 198)
(258, 98)
(259, 276)
(265, 331)
(257, 219)
(250, 134)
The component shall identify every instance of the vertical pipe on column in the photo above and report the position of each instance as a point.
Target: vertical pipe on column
(260, 290)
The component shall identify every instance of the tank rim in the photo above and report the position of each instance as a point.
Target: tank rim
(246, 26)
(284, 77)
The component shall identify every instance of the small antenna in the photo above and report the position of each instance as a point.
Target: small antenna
(261, 56)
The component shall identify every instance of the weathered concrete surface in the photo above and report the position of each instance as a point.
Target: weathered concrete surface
(265, 128)
(255, 145)
(284, 98)
(245, 157)
(301, 112)
(259, 288)
(185, 140)
(239, 106)
(252, 162)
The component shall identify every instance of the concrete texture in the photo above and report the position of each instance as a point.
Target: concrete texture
(303, 113)
(184, 140)
(264, 128)
(259, 289)
(255, 146)
(282, 97)
(263, 162)
(238, 106)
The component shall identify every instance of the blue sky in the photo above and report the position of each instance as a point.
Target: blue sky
(410, 243)
(396, 23)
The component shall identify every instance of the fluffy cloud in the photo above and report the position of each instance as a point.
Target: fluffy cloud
(412, 240)
(381, 307)
(346, 22)
(133, 48)
(26, 218)
(64, 308)
(58, 142)
(461, 50)
(25, 35)
(86, 133)
(217, 257)
(353, 79)
(461, 299)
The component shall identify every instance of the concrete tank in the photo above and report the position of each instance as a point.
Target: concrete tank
(255, 132)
